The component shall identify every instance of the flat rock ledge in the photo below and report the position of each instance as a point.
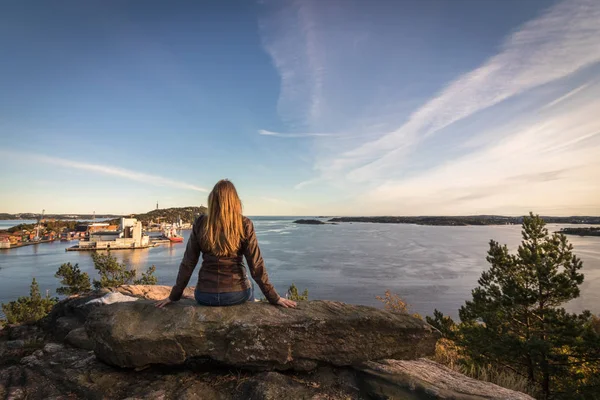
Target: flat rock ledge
(255, 335)
(356, 352)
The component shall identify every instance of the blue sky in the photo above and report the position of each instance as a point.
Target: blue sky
(310, 107)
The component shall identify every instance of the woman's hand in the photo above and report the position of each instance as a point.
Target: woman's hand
(162, 303)
(285, 303)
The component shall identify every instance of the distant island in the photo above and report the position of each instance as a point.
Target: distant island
(466, 220)
(581, 231)
(309, 222)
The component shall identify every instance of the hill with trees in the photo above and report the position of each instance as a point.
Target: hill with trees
(187, 214)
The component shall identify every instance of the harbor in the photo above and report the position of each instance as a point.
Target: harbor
(157, 227)
(77, 248)
(128, 235)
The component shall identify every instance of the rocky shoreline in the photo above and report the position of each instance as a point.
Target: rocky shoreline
(132, 350)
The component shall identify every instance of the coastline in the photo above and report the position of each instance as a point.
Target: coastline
(28, 244)
(474, 220)
(77, 248)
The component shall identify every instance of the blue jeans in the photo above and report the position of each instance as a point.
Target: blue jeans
(224, 299)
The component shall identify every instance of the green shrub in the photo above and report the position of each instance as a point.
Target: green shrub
(295, 296)
(74, 280)
(595, 322)
(113, 274)
(453, 356)
(396, 304)
(148, 277)
(29, 309)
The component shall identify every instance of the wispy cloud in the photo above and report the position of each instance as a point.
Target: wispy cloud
(549, 145)
(307, 183)
(560, 42)
(296, 135)
(566, 96)
(539, 166)
(154, 180)
(293, 26)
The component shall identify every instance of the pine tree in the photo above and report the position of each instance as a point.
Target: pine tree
(74, 280)
(29, 309)
(515, 321)
(112, 273)
(147, 278)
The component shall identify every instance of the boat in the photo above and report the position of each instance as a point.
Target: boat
(172, 235)
(176, 239)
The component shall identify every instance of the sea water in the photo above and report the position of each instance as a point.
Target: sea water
(429, 266)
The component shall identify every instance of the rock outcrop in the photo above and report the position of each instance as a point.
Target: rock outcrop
(256, 335)
(61, 357)
(55, 371)
(61, 372)
(387, 378)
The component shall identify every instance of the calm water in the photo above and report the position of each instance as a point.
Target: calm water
(431, 267)
(10, 223)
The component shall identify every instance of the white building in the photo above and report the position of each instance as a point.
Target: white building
(128, 236)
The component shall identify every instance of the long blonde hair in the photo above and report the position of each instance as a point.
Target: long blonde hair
(223, 227)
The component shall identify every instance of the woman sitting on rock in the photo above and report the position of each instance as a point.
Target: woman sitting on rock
(224, 236)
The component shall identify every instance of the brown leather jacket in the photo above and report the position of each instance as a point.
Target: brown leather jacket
(224, 274)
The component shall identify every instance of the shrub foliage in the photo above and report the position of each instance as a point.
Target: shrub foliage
(147, 277)
(29, 309)
(73, 279)
(396, 304)
(293, 294)
(113, 273)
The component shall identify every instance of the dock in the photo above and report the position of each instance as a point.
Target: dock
(77, 248)
(160, 241)
(27, 244)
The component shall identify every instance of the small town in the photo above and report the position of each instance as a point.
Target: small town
(147, 230)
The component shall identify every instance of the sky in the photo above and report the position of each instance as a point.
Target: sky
(310, 107)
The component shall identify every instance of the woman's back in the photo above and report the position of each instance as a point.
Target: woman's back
(224, 273)
(224, 237)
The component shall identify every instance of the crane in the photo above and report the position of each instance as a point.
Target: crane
(37, 231)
